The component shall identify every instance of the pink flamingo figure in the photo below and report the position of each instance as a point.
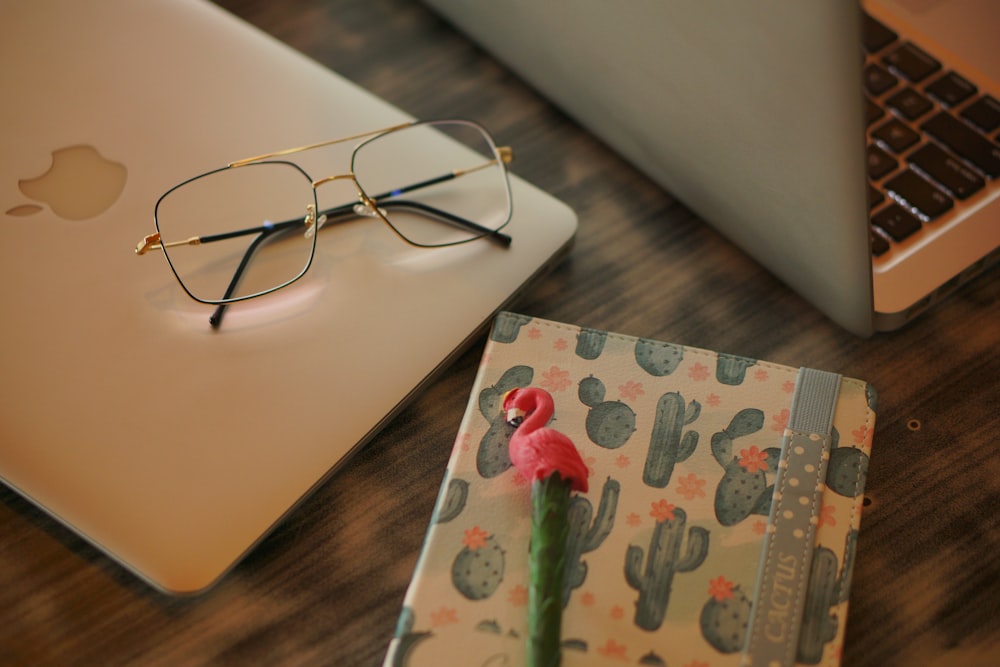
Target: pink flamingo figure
(536, 450)
(550, 460)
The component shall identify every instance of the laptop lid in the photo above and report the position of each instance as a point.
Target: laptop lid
(751, 114)
(172, 446)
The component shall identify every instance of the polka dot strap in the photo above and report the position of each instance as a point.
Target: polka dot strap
(787, 557)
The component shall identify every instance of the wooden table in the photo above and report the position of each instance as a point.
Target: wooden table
(327, 586)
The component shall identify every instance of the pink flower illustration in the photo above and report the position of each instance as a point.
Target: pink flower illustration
(444, 616)
(560, 344)
(860, 434)
(753, 459)
(759, 527)
(613, 649)
(662, 511)
(587, 599)
(826, 515)
(691, 486)
(518, 596)
(788, 387)
(622, 461)
(713, 400)
(534, 333)
(617, 612)
(631, 390)
(555, 379)
(760, 375)
(699, 372)
(633, 519)
(475, 538)
(720, 588)
(780, 421)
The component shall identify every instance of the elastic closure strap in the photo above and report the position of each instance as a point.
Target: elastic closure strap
(786, 558)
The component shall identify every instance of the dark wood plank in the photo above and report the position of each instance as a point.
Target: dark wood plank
(326, 587)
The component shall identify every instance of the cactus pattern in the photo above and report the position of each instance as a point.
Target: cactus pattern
(406, 639)
(847, 468)
(724, 622)
(493, 458)
(664, 560)
(742, 491)
(585, 536)
(656, 358)
(507, 326)
(590, 343)
(669, 444)
(452, 501)
(652, 660)
(819, 626)
(609, 423)
(476, 572)
(731, 369)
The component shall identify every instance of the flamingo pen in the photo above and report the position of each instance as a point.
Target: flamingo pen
(552, 463)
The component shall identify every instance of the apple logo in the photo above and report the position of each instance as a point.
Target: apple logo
(80, 184)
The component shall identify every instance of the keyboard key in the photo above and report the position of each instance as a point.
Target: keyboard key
(896, 221)
(874, 35)
(872, 112)
(912, 62)
(878, 79)
(951, 89)
(947, 170)
(965, 142)
(879, 245)
(919, 193)
(880, 163)
(984, 113)
(909, 103)
(896, 135)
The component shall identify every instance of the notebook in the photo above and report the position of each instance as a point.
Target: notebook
(751, 115)
(172, 447)
(720, 523)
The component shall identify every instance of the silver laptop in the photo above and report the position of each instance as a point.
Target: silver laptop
(172, 445)
(751, 114)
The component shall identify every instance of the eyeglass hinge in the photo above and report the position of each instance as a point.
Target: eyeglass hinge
(506, 154)
(149, 242)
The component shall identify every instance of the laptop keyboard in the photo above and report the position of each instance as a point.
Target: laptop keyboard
(932, 137)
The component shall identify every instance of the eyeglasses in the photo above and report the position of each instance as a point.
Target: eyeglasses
(249, 228)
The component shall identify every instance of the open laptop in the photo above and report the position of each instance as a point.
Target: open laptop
(172, 446)
(751, 113)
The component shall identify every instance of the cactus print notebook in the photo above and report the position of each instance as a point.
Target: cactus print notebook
(720, 525)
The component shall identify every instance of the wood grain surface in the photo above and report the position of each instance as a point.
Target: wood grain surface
(326, 587)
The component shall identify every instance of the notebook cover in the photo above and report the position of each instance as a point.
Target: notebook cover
(720, 524)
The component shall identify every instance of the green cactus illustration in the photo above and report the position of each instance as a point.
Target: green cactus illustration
(476, 572)
(590, 343)
(656, 358)
(507, 326)
(405, 639)
(492, 458)
(664, 560)
(872, 396)
(819, 626)
(724, 622)
(452, 501)
(847, 468)
(669, 443)
(652, 660)
(731, 369)
(609, 423)
(743, 490)
(585, 536)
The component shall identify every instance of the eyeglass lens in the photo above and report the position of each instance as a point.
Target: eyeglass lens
(255, 230)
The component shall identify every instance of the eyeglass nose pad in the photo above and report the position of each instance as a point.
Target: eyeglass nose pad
(312, 224)
(367, 209)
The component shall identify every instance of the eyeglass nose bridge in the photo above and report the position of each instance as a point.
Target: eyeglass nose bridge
(367, 206)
